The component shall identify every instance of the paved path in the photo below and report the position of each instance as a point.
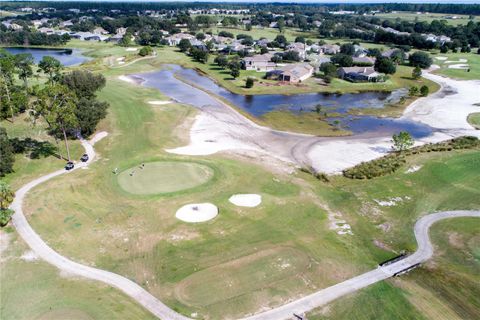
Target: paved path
(155, 306)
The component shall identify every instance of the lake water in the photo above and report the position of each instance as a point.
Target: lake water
(168, 82)
(68, 57)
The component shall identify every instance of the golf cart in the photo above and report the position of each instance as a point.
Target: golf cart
(69, 166)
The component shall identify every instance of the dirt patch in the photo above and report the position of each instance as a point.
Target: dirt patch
(456, 240)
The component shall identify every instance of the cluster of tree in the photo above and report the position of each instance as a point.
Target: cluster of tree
(233, 64)
(415, 91)
(6, 198)
(66, 102)
(23, 37)
(275, 8)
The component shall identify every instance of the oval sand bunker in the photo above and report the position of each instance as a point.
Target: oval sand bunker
(197, 212)
(246, 200)
(163, 177)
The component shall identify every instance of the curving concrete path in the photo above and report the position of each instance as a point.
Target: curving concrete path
(155, 306)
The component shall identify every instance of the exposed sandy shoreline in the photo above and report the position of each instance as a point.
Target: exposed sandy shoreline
(224, 129)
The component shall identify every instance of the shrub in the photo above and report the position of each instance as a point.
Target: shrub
(249, 82)
(390, 163)
(145, 51)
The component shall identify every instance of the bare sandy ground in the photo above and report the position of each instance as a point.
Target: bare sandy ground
(246, 200)
(197, 212)
(220, 129)
(159, 102)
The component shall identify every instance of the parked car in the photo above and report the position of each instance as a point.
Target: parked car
(84, 158)
(69, 165)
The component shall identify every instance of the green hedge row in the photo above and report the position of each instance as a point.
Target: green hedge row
(391, 162)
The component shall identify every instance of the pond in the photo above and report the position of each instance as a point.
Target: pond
(68, 57)
(168, 81)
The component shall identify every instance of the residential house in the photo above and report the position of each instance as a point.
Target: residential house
(259, 62)
(175, 39)
(263, 42)
(359, 51)
(66, 24)
(300, 48)
(294, 73)
(330, 49)
(359, 74)
(46, 30)
(100, 30)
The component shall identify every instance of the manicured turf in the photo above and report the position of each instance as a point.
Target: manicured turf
(445, 288)
(140, 238)
(163, 177)
(473, 61)
(474, 120)
(427, 17)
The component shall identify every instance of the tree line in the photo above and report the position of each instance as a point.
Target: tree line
(66, 102)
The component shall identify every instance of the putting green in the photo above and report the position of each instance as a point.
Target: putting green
(163, 177)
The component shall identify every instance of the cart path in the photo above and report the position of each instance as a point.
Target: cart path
(155, 306)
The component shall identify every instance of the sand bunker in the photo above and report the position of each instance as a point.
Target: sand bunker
(197, 212)
(159, 102)
(131, 49)
(413, 169)
(127, 79)
(246, 200)
(121, 59)
(441, 58)
(459, 66)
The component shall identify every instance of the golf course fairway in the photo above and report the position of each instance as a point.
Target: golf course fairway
(163, 177)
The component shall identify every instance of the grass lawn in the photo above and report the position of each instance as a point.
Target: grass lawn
(142, 239)
(445, 288)
(163, 177)
(253, 257)
(413, 16)
(25, 167)
(472, 60)
(474, 120)
(399, 80)
(54, 296)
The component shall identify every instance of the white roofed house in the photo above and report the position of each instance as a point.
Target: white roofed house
(300, 48)
(330, 48)
(65, 24)
(360, 74)
(175, 39)
(46, 30)
(259, 62)
(100, 30)
(359, 51)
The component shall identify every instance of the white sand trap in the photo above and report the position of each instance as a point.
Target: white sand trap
(459, 66)
(127, 79)
(413, 169)
(121, 59)
(441, 58)
(159, 102)
(131, 49)
(246, 200)
(121, 62)
(197, 212)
